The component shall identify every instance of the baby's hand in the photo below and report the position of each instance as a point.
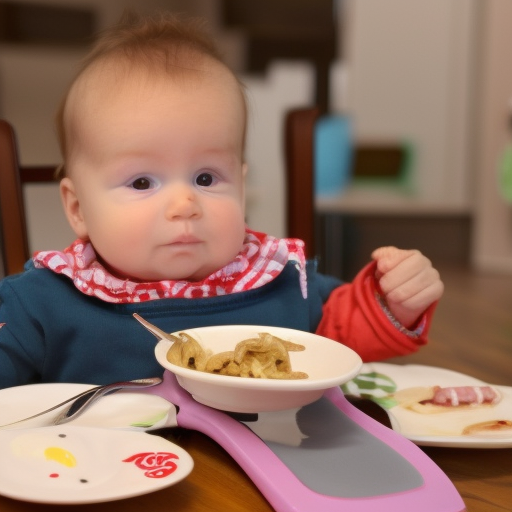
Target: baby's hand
(408, 281)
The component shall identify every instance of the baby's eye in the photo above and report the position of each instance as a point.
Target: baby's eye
(205, 179)
(141, 184)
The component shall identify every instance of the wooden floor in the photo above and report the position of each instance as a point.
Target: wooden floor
(472, 327)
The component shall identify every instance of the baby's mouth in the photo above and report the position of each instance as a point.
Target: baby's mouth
(185, 240)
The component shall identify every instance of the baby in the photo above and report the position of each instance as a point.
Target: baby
(152, 133)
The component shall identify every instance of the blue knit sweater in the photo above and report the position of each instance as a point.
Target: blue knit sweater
(51, 332)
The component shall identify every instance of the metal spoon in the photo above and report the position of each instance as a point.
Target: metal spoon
(153, 329)
(79, 403)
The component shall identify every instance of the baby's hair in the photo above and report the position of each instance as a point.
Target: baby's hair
(163, 41)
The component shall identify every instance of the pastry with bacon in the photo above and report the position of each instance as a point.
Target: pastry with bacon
(438, 399)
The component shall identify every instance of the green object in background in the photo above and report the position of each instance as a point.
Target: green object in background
(505, 177)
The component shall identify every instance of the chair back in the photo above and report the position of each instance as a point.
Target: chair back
(14, 242)
(300, 188)
(13, 227)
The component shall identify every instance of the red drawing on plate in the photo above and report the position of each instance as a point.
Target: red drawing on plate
(155, 464)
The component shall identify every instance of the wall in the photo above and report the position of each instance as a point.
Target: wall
(285, 86)
(32, 81)
(409, 66)
(492, 237)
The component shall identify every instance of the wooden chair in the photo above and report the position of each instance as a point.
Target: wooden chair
(299, 157)
(13, 227)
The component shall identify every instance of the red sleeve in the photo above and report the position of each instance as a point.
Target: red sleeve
(353, 316)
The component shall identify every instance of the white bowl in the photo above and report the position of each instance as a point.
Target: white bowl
(327, 363)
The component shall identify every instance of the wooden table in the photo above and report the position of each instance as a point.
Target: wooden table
(482, 477)
(472, 333)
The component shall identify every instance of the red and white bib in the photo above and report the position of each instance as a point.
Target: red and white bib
(261, 260)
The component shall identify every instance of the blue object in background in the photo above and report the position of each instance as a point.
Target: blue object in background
(333, 154)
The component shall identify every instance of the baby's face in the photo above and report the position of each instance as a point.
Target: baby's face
(156, 173)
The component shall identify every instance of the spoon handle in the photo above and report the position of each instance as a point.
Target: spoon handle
(85, 400)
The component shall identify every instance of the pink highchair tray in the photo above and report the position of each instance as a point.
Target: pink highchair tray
(324, 457)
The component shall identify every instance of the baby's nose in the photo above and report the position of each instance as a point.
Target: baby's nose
(182, 203)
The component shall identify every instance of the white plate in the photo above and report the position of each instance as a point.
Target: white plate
(70, 465)
(100, 473)
(436, 429)
(124, 409)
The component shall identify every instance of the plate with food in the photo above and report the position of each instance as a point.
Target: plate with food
(438, 407)
(254, 368)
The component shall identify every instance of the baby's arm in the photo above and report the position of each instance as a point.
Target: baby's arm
(408, 282)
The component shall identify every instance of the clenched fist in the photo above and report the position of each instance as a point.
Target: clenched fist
(408, 281)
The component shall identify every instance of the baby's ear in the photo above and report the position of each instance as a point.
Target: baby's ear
(72, 208)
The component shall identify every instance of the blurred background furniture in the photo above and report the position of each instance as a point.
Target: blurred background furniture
(14, 242)
(299, 190)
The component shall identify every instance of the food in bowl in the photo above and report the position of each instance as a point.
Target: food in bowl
(326, 362)
(262, 357)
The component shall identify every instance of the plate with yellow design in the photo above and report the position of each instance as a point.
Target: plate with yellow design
(68, 464)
